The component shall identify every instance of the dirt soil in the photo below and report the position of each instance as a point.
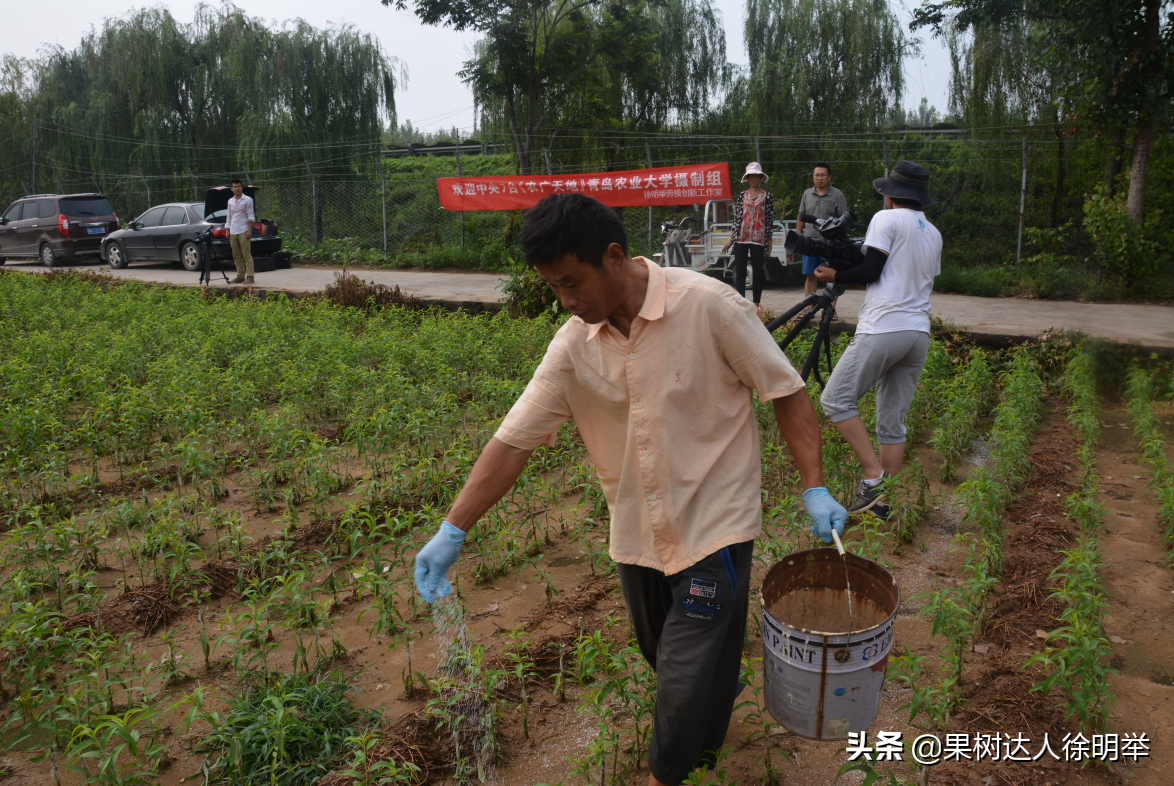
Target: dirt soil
(997, 692)
(1142, 589)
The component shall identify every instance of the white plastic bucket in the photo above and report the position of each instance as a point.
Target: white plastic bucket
(824, 671)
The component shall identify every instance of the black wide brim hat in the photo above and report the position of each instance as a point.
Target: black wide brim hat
(908, 180)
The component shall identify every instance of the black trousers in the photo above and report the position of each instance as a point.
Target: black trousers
(757, 256)
(690, 627)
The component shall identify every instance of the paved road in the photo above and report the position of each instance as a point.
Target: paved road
(1148, 326)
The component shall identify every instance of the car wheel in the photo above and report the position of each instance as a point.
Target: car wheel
(190, 257)
(48, 255)
(116, 255)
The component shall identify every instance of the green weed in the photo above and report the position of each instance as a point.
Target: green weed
(290, 731)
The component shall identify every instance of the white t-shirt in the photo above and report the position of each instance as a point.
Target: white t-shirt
(899, 299)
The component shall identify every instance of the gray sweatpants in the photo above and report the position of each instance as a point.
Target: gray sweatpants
(892, 362)
(690, 627)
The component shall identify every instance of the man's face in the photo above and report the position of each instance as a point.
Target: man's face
(237, 189)
(591, 293)
(821, 177)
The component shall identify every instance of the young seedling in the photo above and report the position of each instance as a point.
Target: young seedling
(523, 671)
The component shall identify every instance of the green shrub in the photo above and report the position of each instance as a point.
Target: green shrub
(1139, 255)
(526, 294)
(980, 281)
(490, 254)
(291, 732)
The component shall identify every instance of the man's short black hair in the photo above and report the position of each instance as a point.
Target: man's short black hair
(823, 165)
(571, 224)
(234, 181)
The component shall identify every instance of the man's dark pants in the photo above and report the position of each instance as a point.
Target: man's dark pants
(690, 627)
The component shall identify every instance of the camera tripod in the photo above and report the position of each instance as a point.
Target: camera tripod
(819, 302)
(205, 239)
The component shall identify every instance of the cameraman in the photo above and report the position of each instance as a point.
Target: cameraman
(903, 254)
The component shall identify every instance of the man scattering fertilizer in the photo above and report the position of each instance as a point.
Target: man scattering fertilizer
(657, 368)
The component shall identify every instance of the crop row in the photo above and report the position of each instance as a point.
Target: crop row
(967, 398)
(909, 495)
(160, 392)
(958, 614)
(123, 441)
(157, 385)
(1077, 655)
(1148, 430)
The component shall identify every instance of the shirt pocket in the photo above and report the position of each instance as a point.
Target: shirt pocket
(601, 382)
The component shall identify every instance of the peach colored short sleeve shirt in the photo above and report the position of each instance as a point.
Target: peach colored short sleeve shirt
(667, 416)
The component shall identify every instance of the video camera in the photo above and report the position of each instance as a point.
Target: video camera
(837, 249)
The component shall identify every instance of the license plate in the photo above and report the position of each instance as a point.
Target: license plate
(96, 230)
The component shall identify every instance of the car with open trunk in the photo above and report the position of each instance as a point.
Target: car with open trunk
(168, 233)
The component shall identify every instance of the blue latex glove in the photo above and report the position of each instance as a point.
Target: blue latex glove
(825, 513)
(434, 560)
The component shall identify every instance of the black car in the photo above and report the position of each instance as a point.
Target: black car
(167, 233)
(51, 226)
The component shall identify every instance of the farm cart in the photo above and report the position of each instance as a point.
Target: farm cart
(702, 250)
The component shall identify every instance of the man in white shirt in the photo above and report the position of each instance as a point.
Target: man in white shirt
(240, 231)
(903, 254)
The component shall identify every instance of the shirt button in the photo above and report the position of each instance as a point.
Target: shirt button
(638, 405)
(646, 453)
(632, 356)
(653, 496)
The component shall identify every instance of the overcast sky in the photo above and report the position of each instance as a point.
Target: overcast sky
(434, 96)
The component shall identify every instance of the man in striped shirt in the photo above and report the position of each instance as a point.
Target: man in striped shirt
(657, 367)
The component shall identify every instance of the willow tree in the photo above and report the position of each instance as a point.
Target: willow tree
(820, 64)
(1000, 76)
(147, 94)
(605, 64)
(667, 72)
(671, 65)
(17, 83)
(1114, 62)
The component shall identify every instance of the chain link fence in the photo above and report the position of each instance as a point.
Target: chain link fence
(332, 214)
(361, 211)
(383, 207)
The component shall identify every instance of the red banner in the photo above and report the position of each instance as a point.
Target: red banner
(670, 185)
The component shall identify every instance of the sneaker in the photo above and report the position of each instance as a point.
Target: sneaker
(239, 279)
(872, 498)
(249, 280)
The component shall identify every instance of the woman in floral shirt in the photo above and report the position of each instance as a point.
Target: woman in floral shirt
(754, 217)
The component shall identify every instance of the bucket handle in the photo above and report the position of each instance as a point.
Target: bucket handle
(843, 655)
